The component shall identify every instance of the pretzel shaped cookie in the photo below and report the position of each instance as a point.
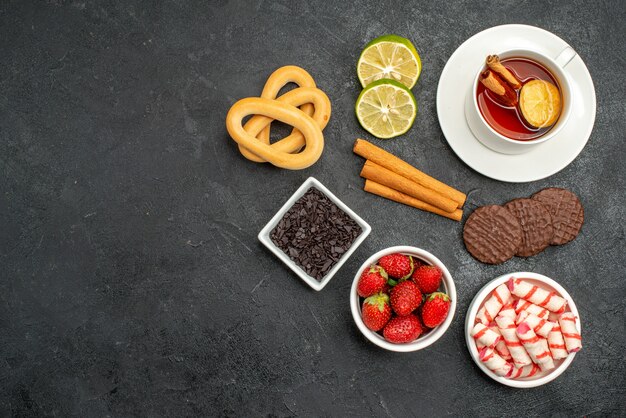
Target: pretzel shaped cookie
(306, 108)
(279, 79)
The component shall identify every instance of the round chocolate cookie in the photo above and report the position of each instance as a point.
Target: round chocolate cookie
(536, 224)
(566, 210)
(492, 234)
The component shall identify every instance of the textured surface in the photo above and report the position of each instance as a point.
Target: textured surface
(568, 214)
(492, 234)
(132, 282)
(536, 224)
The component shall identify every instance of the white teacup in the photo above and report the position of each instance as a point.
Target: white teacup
(500, 143)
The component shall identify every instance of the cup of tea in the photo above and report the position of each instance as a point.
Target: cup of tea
(519, 99)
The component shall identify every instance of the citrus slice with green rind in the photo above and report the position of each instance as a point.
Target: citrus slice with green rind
(392, 57)
(386, 108)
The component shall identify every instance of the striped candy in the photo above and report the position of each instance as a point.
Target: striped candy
(521, 305)
(526, 371)
(501, 348)
(536, 346)
(535, 294)
(556, 343)
(499, 297)
(549, 363)
(482, 334)
(495, 363)
(507, 310)
(541, 326)
(573, 340)
(507, 329)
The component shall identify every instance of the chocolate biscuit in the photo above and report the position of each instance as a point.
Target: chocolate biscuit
(492, 234)
(536, 224)
(566, 211)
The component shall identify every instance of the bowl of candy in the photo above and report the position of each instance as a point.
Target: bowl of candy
(523, 329)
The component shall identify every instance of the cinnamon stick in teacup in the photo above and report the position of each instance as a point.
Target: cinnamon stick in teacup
(381, 157)
(391, 194)
(493, 62)
(501, 90)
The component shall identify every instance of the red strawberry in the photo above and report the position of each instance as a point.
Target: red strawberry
(427, 278)
(387, 288)
(417, 262)
(372, 281)
(402, 329)
(405, 297)
(435, 309)
(376, 311)
(397, 265)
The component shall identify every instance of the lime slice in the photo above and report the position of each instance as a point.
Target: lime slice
(386, 108)
(392, 57)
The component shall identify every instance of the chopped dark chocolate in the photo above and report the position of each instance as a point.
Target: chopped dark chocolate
(315, 233)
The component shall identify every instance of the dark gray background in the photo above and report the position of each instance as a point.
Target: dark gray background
(132, 279)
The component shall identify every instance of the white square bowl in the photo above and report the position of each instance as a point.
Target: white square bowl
(264, 235)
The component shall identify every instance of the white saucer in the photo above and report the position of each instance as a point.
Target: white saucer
(545, 159)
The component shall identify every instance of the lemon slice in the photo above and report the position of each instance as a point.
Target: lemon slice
(540, 103)
(386, 108)
(392, 57)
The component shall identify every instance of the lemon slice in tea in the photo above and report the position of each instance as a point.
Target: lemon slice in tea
(540, 103)
(392, 57)
(386, 108)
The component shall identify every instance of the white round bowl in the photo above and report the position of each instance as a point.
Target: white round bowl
(424, 340)
(547, 283)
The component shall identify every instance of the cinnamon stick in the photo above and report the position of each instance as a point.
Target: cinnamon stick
(391, 194)
(493, 62)
(381, 157)
(501, 90)
(380, 174)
